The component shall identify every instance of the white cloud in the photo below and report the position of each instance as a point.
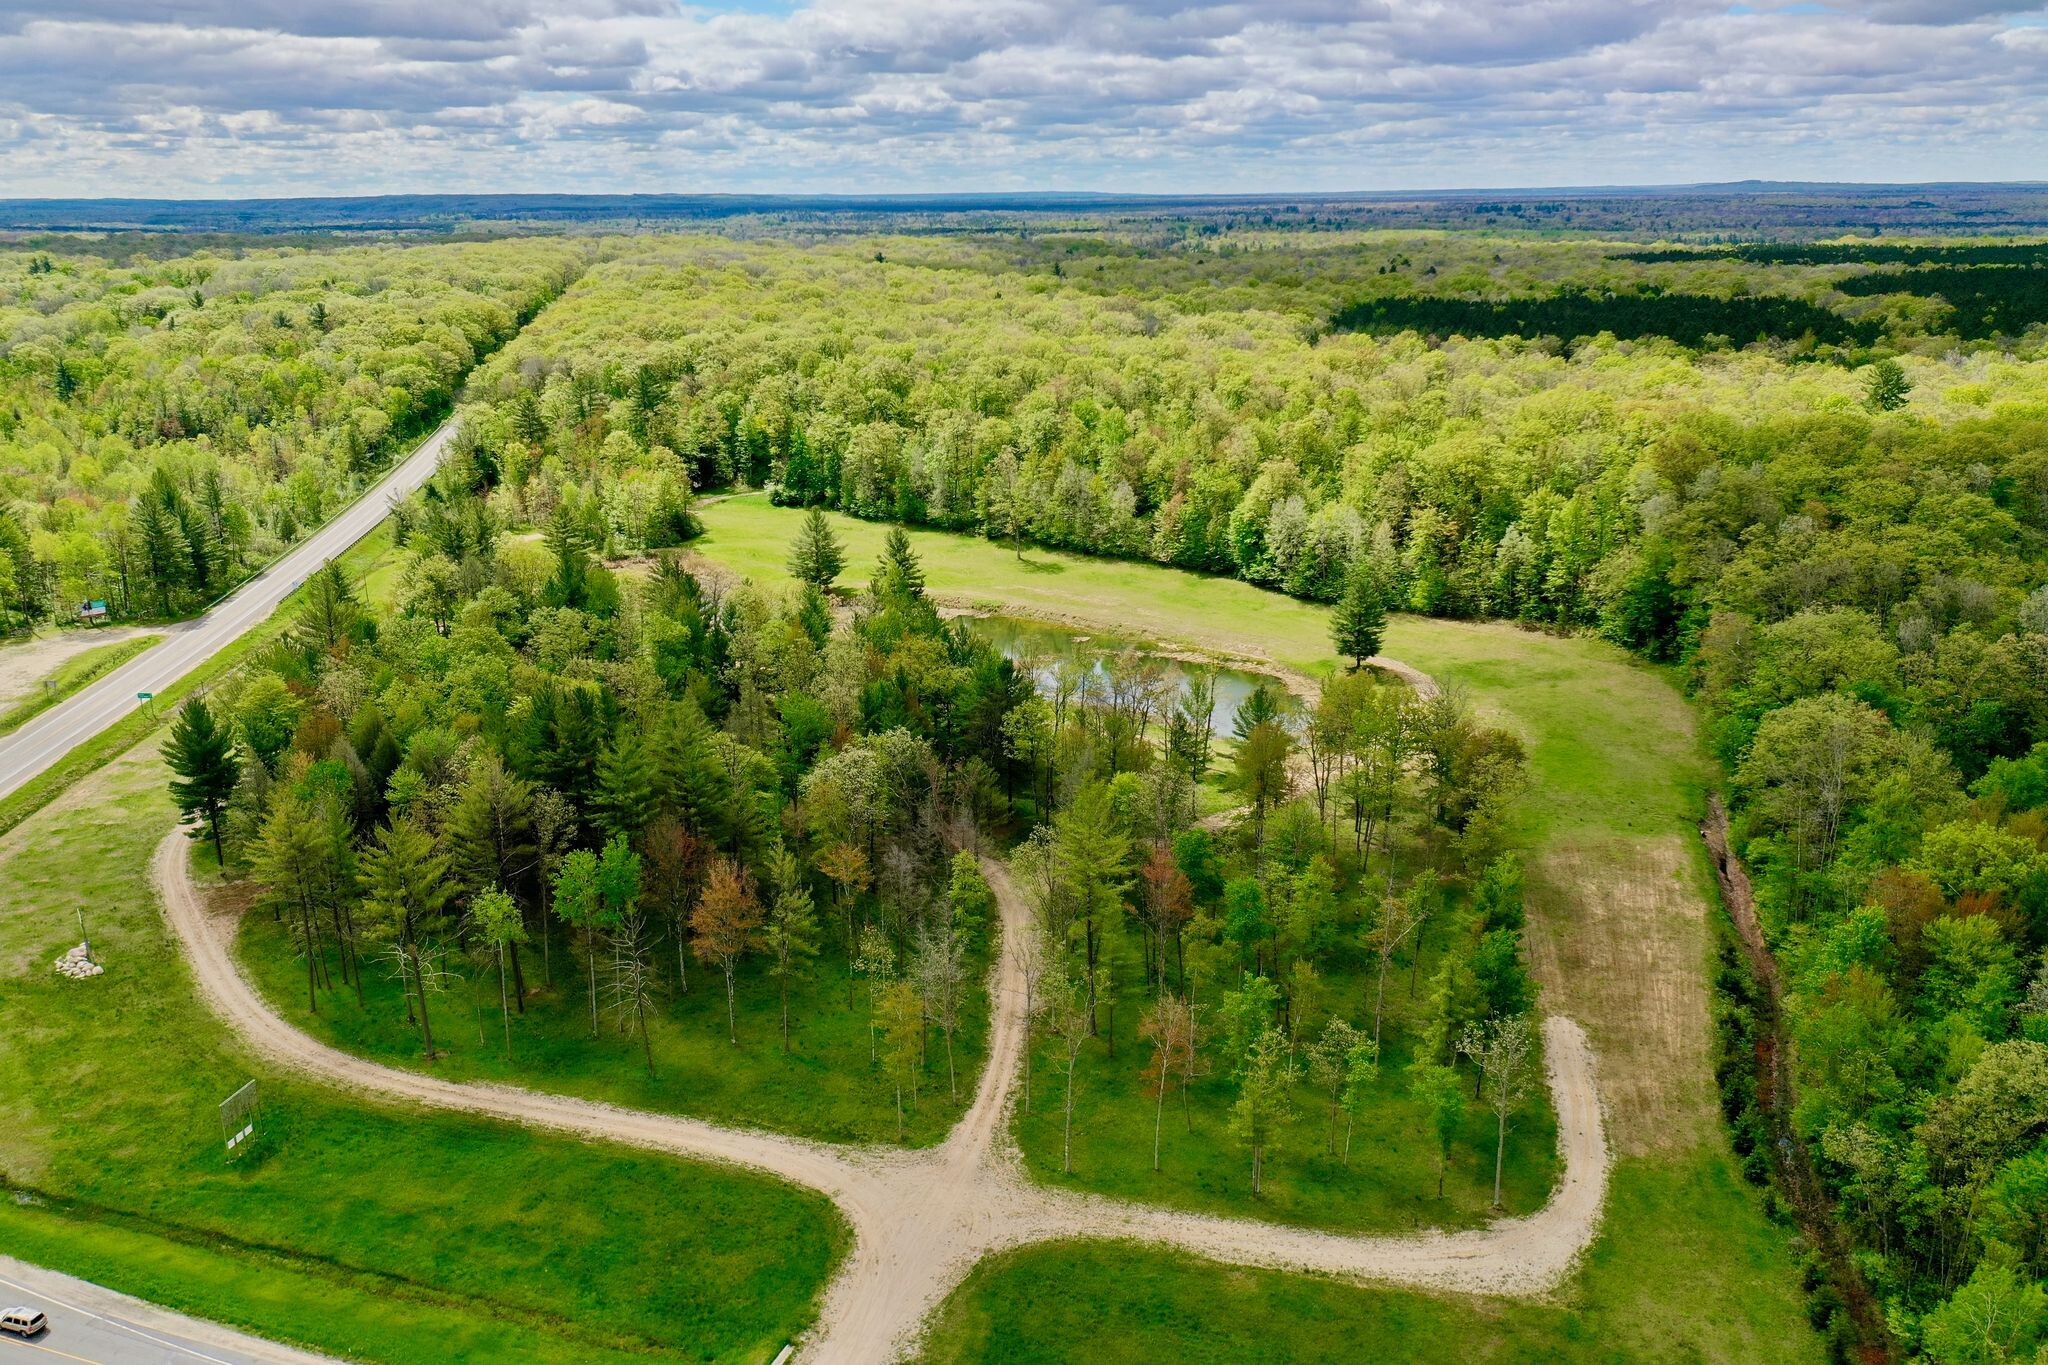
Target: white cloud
(261, 96)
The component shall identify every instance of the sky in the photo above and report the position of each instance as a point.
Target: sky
(244, 98)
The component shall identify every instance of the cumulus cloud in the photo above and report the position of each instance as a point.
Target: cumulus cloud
(270, 96)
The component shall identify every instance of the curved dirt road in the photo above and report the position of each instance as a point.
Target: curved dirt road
(922, 1219)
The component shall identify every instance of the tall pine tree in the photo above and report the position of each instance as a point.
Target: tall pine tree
(626, 798)
(816, 557)
(899, 578)
(201, 752)
(1360, 619)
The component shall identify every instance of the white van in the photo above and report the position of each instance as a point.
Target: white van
(25, 1322)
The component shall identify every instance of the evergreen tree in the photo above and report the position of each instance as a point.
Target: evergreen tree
(814, 614)
(1360, 620)
(289, 852)
(816, 556)
(568, 760)
(790, 934)
(899, 577)
(201, 752)
(570, 545)
(1886, 387)
(692, 780)
(527, 421)
(405, 888)
(328, 614)
(163, 549)
(626, 798)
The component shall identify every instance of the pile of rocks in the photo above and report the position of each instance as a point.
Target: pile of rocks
(76, 965)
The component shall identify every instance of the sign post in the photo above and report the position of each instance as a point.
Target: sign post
(238, 1118)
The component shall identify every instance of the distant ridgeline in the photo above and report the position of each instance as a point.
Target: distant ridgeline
(1990, 289)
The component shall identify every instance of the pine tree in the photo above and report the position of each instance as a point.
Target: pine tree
(287, 860)
(201, 752)
(626, 798)
(328, 614)
(1360, 620)
(405, 888)
(899, 577)
(816, 556)
(527, 420)
(568, 760)
(790, 935)
(1885, 387)
(163, 549)
(814, 614)
(692, 782)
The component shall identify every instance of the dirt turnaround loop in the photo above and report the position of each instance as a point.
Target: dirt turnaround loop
(922, 1219)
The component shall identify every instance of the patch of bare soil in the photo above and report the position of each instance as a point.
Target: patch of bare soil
(1617, 937)
(25, 663)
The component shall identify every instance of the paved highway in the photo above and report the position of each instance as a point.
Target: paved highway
(46, 739)
(88, 1323)
(97, 1325)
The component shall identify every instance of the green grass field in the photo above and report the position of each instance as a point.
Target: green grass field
(825, 1087)
(1688, 1266)
(68, 677)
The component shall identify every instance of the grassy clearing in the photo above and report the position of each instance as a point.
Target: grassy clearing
(1617, 936)
(70, 676)
(825, 1087)
(1389, 1184)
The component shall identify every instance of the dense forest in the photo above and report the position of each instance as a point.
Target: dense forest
(1848, 556)
(167, 426)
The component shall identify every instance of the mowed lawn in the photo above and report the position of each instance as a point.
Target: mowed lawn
(1687, 1266)
(356, 1228)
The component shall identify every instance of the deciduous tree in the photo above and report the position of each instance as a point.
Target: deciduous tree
(723, 927)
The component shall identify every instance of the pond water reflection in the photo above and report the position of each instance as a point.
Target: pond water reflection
(1041, 649)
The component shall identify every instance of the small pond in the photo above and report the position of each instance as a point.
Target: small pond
(1042, 648)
